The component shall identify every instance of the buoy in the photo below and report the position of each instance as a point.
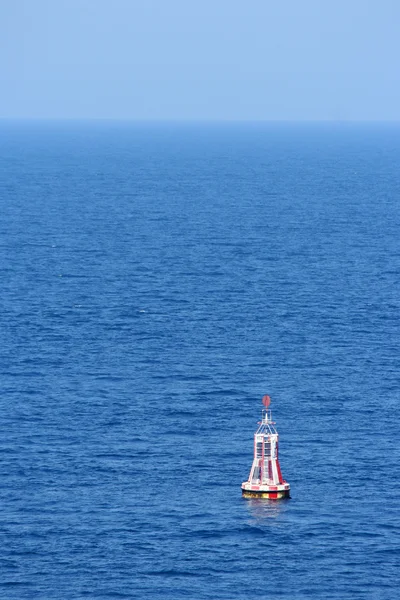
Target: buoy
(265, 479)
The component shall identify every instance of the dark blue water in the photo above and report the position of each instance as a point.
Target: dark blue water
(156, 282)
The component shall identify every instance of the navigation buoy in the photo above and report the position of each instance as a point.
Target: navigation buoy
(265, 479)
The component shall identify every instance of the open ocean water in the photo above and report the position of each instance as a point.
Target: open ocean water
(156, 281)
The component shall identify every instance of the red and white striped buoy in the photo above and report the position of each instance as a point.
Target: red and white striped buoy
(265, 479)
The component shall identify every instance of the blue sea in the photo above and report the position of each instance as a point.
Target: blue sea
(157, 279)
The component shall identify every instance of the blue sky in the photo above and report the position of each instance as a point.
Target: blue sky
(200, 59)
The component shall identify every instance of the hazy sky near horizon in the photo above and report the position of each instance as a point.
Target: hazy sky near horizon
(200, 59)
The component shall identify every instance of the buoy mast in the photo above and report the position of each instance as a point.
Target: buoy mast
(265, 478)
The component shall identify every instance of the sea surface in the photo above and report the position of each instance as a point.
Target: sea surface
(157, 280)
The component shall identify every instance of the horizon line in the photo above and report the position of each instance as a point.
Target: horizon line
(195, 120)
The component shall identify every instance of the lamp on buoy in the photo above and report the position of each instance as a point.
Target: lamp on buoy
(265, 479)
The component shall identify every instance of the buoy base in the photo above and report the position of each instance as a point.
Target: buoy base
(273, 492)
